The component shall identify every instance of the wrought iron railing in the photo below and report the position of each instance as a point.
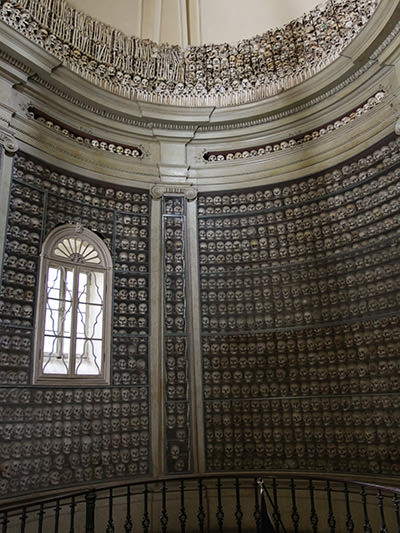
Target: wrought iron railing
(213, 503)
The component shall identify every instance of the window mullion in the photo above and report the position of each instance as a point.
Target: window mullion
(74, 319)
(44, 297)
(87, 313)
(61, 313)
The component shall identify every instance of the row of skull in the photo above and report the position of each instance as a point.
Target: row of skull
(346, 341)
(286, 318)
(377, 253)
(99, 209)
(43, 177)
(345, 180)
(80, 137)
(301, 388)
(292, 142)
(316, 365)
(65, 476)
(347, 272)
(321, 224)
(362, 285)
(288, 254)
(313, 457)
(58, 397)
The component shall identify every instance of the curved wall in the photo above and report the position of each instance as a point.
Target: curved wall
(300, 320)
(300, 330)
(57, 436)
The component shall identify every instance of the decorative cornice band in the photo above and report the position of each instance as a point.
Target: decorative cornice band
(221, 126)
(212, 75)
(82, 137)
(244, 153)
(16, 63)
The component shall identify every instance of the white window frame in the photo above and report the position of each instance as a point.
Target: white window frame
(49, 259)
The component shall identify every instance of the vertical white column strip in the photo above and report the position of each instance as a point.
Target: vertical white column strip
(140, 19)
(198, 20)
(157, 20)
(8, 146)
(196, 373)
(184, 23)
(156, 343)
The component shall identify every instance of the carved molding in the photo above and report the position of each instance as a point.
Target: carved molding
(142, 123)
(397, 127)
(83, 138)
(9, 143)
(157, 191)
(244, 153)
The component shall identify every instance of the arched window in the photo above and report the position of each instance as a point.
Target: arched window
(73, 318)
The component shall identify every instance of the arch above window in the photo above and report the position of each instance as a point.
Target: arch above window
(73, 316)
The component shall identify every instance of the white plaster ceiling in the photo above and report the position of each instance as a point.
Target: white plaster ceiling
(195, 22)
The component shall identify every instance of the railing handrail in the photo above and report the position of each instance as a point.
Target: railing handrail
(13, 504)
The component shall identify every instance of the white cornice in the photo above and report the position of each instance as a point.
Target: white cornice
(365, 56)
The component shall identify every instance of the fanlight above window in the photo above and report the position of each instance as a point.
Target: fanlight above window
(77, 250)
(74, 313)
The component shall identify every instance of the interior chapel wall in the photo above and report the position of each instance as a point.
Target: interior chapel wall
(299, 329)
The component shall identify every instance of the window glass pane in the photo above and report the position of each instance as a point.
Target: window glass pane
(91, 287)
(69, 284)
(83, 286)
(52, 362)
(58, 320)
(89, 323)
(97, 292)
(53, 282)
(88, 357)
(90, 308)
(52, 317)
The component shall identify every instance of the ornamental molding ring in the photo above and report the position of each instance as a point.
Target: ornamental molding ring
(397, 127)
(218, 127)
(8, 141)
(290, 143)
(86, 139)
(221, 74)
(214, 127)
(158, 191)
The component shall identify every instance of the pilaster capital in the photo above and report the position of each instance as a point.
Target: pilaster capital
(157, 191)
(8, 141)
(397, 127)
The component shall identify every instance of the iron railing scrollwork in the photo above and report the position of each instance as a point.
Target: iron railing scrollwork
(213, 502)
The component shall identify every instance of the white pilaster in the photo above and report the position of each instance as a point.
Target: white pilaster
(195, 361)
(8, 147)
(156, 342)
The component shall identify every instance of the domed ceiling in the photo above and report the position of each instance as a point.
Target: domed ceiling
(268, 61)
(195, 22)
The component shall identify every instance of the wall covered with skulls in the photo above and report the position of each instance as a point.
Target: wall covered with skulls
(300, 328)
(57, 436)
(300, 321)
